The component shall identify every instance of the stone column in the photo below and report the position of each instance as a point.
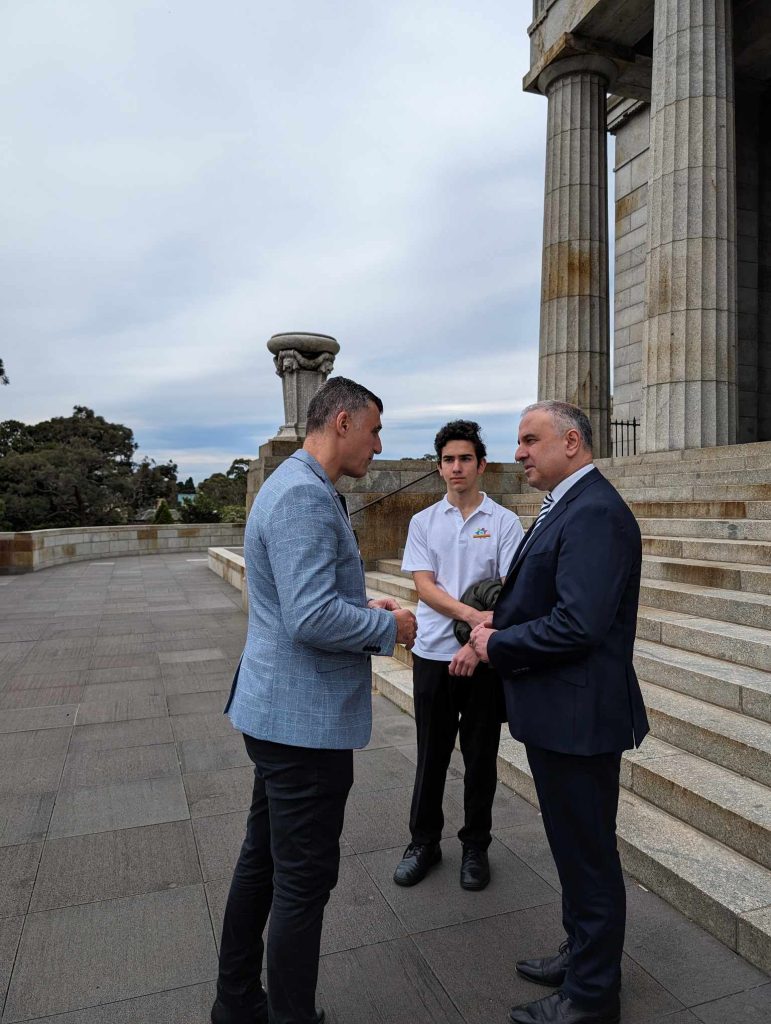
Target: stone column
(303, 362)
(574, 364)
(689, 346)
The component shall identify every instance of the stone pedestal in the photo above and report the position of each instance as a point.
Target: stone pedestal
(573, 363)
(303, 362)
(689, 348)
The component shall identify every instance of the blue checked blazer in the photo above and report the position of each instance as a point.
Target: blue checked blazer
(305, 675)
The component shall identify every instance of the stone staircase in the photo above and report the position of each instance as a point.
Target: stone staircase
(695, 812)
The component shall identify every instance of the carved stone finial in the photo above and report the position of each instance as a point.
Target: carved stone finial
(303, 362)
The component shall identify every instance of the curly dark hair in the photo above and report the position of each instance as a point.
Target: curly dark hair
(461, 430)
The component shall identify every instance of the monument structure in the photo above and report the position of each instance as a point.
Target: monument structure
(685, 87)
(303, 361)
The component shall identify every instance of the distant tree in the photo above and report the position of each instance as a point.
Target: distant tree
(224, 490)
(3, 376)
(163, 513)
(233, 513)
(187, 487)
(15, 437)
(200, 510)
(74, 470)
(152, 482)
(239, 469)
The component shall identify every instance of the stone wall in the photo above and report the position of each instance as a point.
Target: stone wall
(381, 529)
(629, 121)
(40, 549)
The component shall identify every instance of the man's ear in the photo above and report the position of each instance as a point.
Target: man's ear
(572, 441)
(481, 466)
(342, 422)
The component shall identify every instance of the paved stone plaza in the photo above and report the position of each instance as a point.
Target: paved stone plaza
(123, 793)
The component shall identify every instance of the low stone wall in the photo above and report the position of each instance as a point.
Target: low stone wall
(232, 568)
(41, 549)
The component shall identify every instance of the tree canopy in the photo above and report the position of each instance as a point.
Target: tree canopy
(80, 470)
(75, 470)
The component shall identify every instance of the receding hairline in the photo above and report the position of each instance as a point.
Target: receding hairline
(564, 416)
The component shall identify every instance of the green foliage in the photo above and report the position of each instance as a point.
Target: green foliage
(163, 513)
(188, 487)
(201, 510)
(227, 488)
(152, 482)
(76, 471)
(3, 376)
(233, 513)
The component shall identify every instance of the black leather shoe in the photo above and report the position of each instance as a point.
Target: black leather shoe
(474, 868)
(418, 859)
(560, 1009)
(550, 970)
(220, 1015)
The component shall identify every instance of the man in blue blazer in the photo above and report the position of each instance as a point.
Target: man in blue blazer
(562, 639)
(301, 697)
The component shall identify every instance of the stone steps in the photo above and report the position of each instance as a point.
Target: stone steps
(733, 606)
(742, 645)
(527, 505)
(723, 737)
(727, 685)
(707, 529)
(750, 578)
(746, 552)
(726, 890)
(722, 575)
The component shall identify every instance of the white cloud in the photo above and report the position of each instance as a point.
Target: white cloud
(183, 180)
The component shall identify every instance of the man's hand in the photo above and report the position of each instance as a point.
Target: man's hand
(389, 603)
(480, 636)
(406, 627)
(476, 618)
(464, 662)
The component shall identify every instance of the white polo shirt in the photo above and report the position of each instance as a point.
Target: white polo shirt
(459, 554)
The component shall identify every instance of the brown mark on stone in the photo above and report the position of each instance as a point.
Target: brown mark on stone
(567, 270)
(149, 533)
(189, 531)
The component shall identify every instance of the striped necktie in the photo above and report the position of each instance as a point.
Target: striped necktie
(546, 504)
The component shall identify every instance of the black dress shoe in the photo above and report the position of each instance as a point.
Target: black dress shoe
(418, 859)
(560, 1009)
(474, 868)
(550, 970)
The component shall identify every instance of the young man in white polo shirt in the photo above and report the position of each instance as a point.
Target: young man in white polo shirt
(462, 539)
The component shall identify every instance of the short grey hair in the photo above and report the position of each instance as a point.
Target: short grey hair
(338, 394)
(566, 417)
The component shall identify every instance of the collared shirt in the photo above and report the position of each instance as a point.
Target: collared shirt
(458, 553)
(564, 485)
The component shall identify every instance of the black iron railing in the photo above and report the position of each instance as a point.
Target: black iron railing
(623, 436)
(394, 491)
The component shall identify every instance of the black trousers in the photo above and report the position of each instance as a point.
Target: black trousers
(579, 801)
(287, 868)
(445, 706)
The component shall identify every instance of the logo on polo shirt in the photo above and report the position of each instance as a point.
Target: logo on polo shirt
(481, 534)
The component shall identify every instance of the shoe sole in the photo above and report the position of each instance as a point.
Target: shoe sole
(475, 886)
(408, 884)
(541, 981)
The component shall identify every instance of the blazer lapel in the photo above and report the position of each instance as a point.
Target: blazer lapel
(561, 506)
(337, 498)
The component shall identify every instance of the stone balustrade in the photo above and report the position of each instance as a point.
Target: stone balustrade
(31, 550)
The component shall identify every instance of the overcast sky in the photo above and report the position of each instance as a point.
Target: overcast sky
(182, 180)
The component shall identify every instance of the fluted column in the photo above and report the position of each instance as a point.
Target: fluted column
(689, 347)
(574, 364)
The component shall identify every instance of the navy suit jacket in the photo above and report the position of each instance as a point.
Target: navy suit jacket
(566, 621)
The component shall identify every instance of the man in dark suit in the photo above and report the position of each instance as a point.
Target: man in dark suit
(562, 638)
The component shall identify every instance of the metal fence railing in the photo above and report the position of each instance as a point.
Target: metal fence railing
(623, 437)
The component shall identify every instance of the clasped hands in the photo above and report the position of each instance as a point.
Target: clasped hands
(465, 661)
(480, 635)
(406, 623)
